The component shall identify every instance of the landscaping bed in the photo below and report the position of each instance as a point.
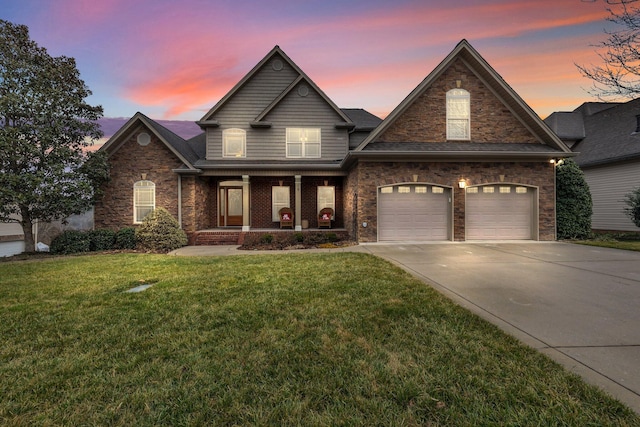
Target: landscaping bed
(296, 240)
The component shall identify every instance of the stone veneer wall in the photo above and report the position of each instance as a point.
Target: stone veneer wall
(128, 163)
(351, 203)
(425, 119)
(371, 175)
(197, 210)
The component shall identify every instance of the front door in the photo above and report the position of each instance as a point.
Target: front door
(230, 206)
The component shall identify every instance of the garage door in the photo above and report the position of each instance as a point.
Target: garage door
(499, 212)
(413, 212)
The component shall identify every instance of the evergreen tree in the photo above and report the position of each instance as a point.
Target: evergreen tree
(45, 127)
(574, 206)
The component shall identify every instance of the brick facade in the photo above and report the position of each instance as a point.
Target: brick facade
(425, 119)
(371, 175)
(128, 165)
(356, 194)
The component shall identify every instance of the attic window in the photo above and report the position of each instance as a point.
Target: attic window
(144, 139)
(458, 115)
(277, 65)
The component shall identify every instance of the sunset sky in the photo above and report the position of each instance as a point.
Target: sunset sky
(175, 59)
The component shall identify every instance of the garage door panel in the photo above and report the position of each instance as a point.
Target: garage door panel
(416, 213)
(505, 213)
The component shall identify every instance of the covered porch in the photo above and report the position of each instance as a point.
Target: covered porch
(219, 208)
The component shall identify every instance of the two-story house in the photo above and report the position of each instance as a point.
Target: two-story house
(606, 138)
(461, 158)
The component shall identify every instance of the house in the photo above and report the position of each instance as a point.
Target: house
(461, 158)
(11, 239)
(606, 137)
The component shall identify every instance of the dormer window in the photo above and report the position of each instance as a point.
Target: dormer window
(458, 115)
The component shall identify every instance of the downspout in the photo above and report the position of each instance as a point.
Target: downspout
(180, 200)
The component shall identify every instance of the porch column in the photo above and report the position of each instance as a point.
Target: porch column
(245, 203)
(298, 210)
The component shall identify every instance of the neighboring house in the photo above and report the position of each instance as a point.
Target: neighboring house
(461, 158)
(606, 138)
(11, 239)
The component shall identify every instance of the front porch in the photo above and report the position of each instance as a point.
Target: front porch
(231, 236)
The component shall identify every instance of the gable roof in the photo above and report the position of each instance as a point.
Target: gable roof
(276, 51)
(173, 142)
(500, 89)
(610, 134)
(567, 125)
(363, 120)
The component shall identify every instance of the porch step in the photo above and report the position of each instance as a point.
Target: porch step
(206, 238)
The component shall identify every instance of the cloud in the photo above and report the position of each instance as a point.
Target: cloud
(181, 57)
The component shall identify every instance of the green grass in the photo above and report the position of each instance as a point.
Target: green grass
(615, 244)
(295, 339)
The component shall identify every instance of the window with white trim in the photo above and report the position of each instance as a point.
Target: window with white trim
(458, 115)
(144, 200)
(303, 142)
(280, 198)
(326, 198)
(234, 143)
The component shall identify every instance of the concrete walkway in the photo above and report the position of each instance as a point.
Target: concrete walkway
(579, 305)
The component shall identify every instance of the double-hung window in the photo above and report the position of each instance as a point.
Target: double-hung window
(234, 143)
(458, 115)
(303, 143)
(326, 197)
(279, 199)
(144, 200)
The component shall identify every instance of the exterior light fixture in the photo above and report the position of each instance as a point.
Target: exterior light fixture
(462, 183)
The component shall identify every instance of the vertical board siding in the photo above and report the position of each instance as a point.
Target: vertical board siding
(608, 186)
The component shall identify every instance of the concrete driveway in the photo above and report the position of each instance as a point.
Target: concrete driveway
(578, 304)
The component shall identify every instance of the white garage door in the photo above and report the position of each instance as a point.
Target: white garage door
(499, 212)
(413, 212)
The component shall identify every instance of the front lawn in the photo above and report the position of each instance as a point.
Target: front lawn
(294, 339)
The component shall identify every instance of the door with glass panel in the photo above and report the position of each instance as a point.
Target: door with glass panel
(230, 206)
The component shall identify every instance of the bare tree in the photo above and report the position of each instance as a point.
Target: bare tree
(619, 75)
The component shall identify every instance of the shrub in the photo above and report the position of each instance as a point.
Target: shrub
(573, 202)
(71, 242)
(632, 200)
(160, 232)
(298, 237)
(331, 237)
(101, 240)
(125, 238)
(266, 238)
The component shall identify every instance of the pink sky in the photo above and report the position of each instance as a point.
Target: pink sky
(176, 59)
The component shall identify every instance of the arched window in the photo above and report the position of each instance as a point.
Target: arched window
(458, 115)
(234, 143)
(144, 200)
